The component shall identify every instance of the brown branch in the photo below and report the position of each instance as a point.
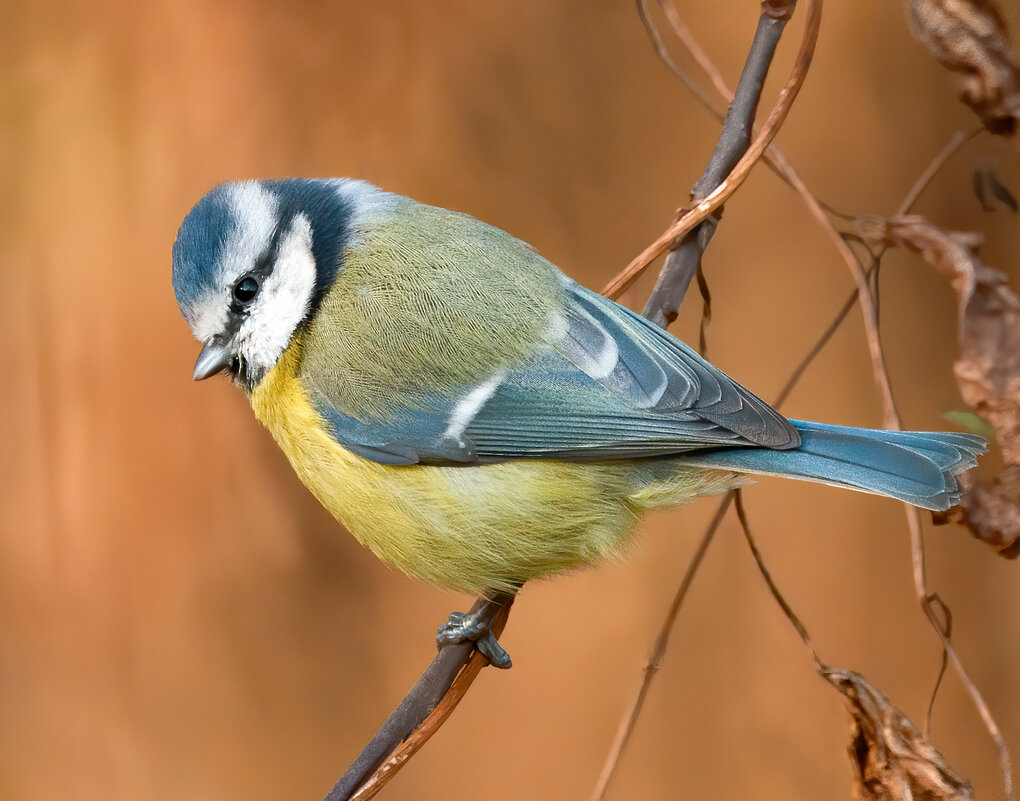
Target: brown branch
(663, 52)
(773, 158)
(424, 709)
(926, 598)
(702, 210)
(630, 717)
(889, 757)
(956, 141)
(445, 681)
(685, 259)
(654, 663)
(759, 560)
(924, 595)
(451, 673)
(880, 376)
(917, 549)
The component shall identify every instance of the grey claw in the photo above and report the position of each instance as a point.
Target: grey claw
(463, 626)
(493, 651)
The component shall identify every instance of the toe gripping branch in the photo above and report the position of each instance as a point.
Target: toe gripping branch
(432, 698)
(476, 627)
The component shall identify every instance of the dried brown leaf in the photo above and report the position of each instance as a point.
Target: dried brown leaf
(969, 37)
(890, 758)
(988, 368)
(993, 510)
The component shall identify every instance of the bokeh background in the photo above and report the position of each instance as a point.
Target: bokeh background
(179, 619)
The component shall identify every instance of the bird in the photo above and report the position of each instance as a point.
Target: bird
(468, 412)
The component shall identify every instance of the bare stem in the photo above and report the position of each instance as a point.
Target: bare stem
(629, 719)
(424, 709)
(654, 663)
(731, 151)
(702, 210)
(684, 260)
(795, 621)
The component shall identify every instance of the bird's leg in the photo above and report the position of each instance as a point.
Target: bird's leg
(477, 627)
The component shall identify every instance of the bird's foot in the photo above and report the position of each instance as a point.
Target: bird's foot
(478, 629)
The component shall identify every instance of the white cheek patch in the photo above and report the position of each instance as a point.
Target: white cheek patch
(283, 301)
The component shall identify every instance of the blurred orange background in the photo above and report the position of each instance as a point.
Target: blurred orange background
(178, 617)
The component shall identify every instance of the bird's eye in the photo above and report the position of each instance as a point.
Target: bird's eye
(246, 289)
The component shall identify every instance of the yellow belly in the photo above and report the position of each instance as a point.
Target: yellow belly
(470, 528)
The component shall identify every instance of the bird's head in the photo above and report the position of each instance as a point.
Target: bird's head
(252, 261)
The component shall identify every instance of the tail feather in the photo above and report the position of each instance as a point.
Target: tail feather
(917, 467)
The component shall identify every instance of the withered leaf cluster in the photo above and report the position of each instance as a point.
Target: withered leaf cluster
(890, 758)
(988, 368)
(969, 37)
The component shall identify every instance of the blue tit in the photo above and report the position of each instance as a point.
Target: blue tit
(465, 410)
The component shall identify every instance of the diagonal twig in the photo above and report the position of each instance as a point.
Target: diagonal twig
(731, 148)
(629, 719)
(684, 260)
(766, 574)
(654, 663)
(880, 374)
(424, 709)
(891, 418)
(702, 210)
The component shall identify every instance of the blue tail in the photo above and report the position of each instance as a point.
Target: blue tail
(917, 467)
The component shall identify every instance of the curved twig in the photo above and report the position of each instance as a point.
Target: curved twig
(424, 709)
(701, 211)
(631, 715)
(684, 261)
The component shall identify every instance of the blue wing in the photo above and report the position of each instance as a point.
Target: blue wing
(606, 384)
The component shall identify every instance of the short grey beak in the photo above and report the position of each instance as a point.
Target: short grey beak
(214, 358)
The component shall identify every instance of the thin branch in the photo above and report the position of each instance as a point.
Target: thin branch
(685, 259)
(925, 598)
(947, 627)
(774, 157)
(654, 663)
(957, 141)
(880, 374)
(629, 719)
(662, 51)
(440, 688)
(693, 46)
(776, 594)
(892, 420)
(424, 709)
(703, 210)
(890, 759)
(818, 347)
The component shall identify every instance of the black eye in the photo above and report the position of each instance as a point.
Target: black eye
(246, 289)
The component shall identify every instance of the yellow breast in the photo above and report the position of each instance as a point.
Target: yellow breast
(468, 528)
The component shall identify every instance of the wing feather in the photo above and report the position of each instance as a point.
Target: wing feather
(601, 382)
